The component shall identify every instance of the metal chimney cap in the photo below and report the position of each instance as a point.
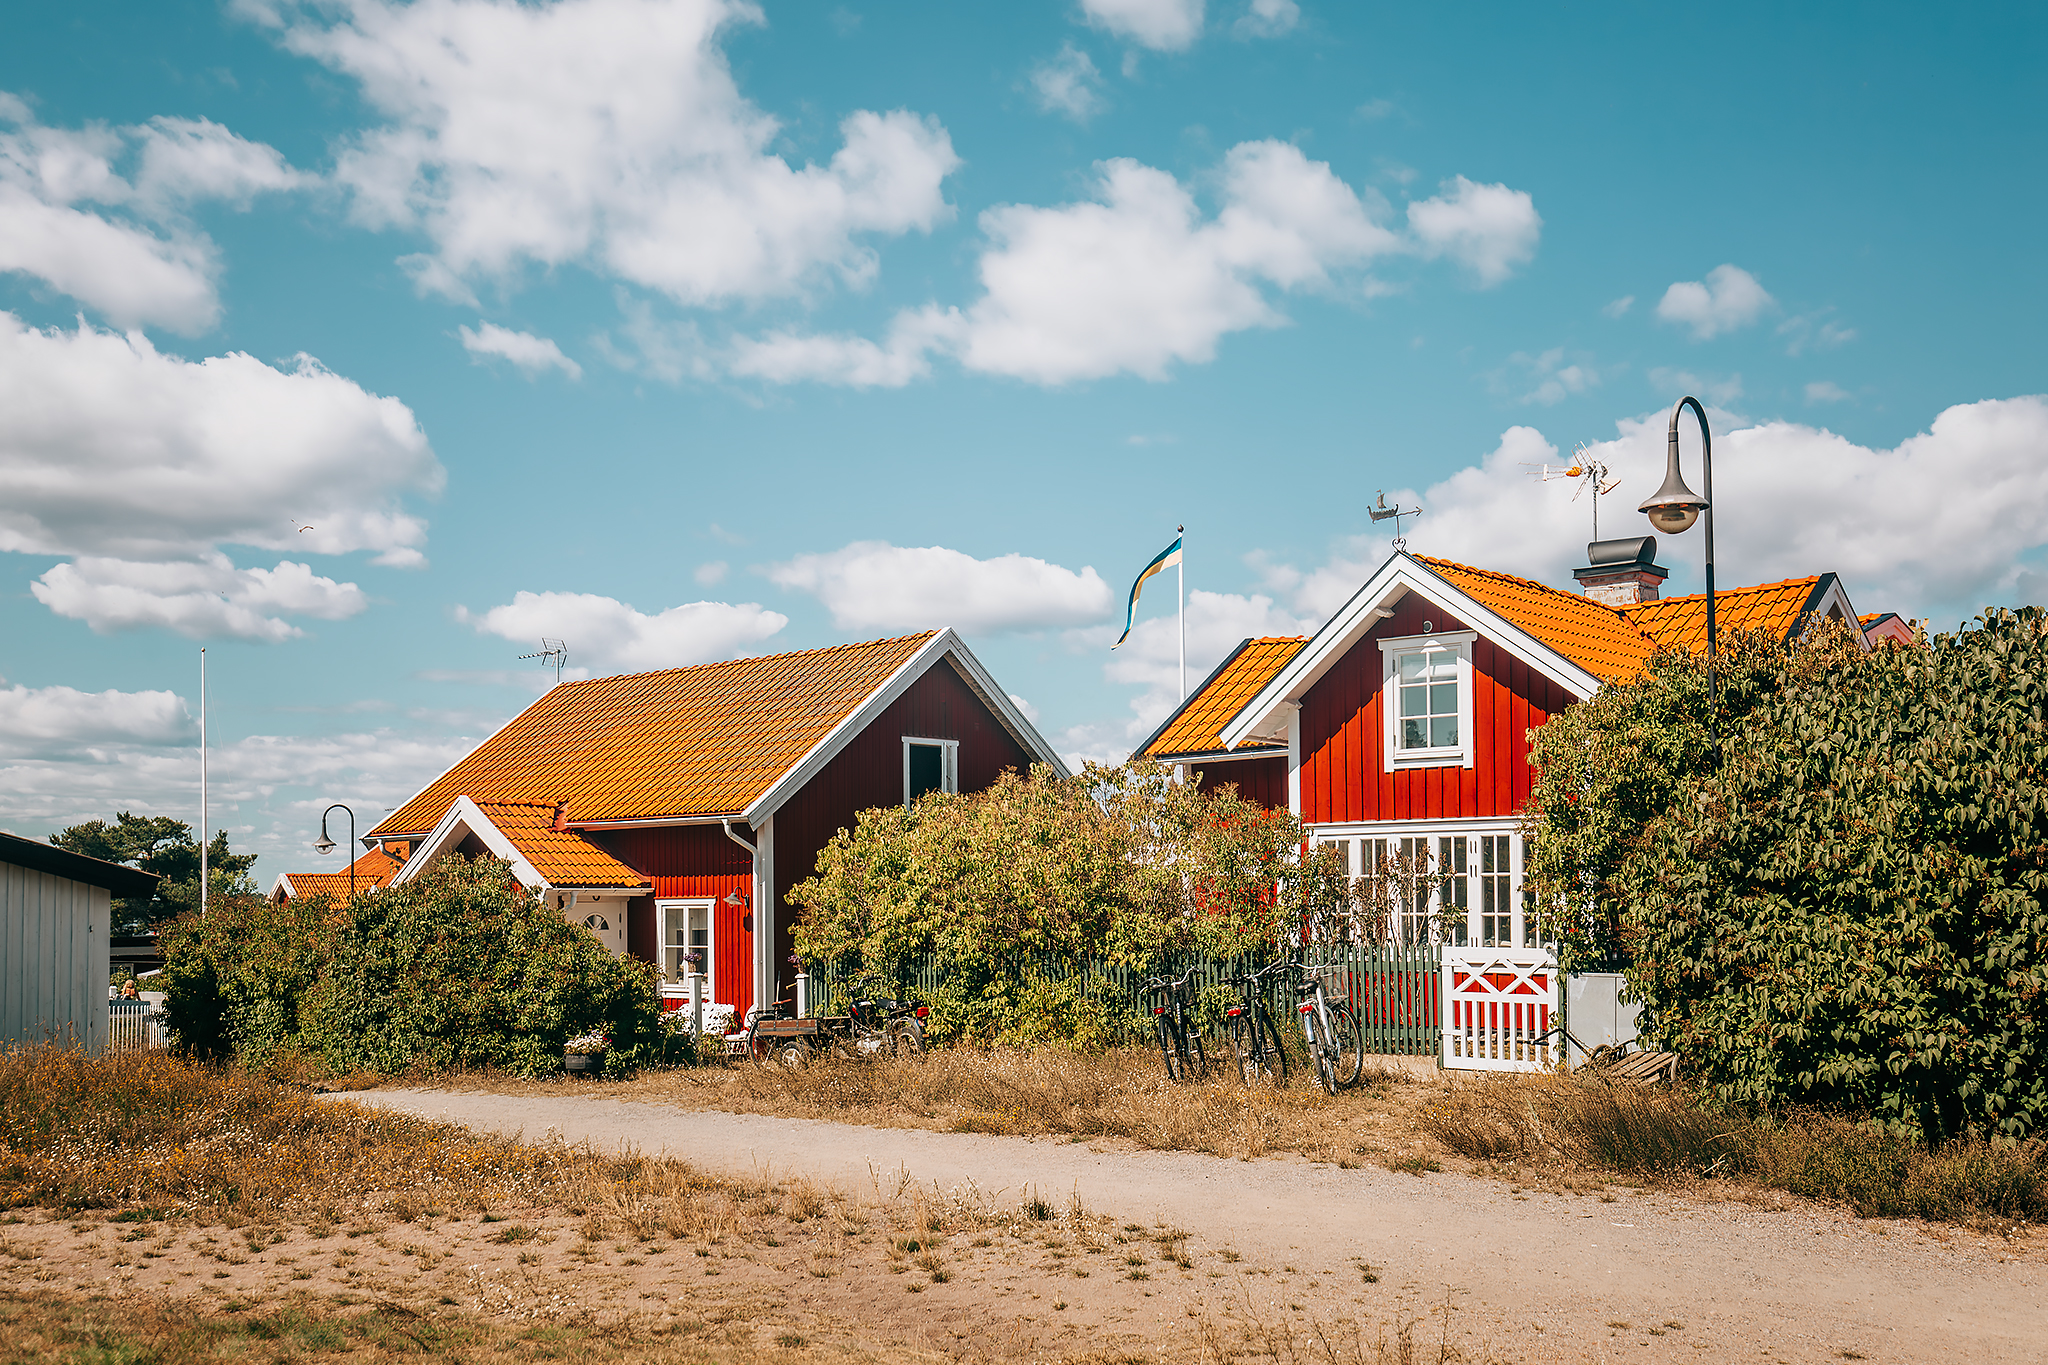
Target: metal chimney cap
(1627, 550)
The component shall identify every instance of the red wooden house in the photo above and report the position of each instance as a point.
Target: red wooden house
(671, 812)
(1402, 726)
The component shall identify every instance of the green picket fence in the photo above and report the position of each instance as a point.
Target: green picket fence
(1394, 988)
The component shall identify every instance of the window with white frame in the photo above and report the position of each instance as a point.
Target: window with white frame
(1440, 888)
(687, 929)
(1427, 699)
(929, 765)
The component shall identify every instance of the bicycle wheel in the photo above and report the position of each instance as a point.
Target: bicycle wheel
(1166, 1047)
(1350, 1042)
(1321, 1056)
(1259, 1058)
(1273, 1046)
(1197, 1058)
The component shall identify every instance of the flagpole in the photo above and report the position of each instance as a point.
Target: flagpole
(202, 782)
(1180, 575)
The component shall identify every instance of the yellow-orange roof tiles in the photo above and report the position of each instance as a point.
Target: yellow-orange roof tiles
(1594, 636)
(706, 740)
(372, 870)
(1771, 608)
(1196, 728)
(562, 856)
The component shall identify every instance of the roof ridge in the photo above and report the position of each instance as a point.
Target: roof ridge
(1720, 593)
(923, 635)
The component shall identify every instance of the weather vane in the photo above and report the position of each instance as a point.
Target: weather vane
(552, 653)
(1590, 473)
(1381, 512)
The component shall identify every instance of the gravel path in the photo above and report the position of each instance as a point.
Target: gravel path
(1533, 1275)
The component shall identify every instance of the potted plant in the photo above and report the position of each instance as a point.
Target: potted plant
(583, 1055)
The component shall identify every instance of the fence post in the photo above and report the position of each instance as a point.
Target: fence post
(696, 1004)
(803, 995)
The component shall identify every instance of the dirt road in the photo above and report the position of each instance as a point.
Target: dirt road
(1534, 1276)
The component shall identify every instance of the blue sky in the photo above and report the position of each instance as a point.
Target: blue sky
(681, 330)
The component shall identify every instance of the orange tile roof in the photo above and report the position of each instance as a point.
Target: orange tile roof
(1596, 637)
(1196, 728)
(1771, 608)
(707, 740)
(563, 856)
(372, 870)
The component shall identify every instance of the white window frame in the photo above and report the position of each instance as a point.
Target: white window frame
(680, 908)
(1460, 755)
(949, 763)
(1359, 840)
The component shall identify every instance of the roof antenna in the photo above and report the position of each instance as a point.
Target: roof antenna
(1382, 512)
(1589, 472)
(552, 652)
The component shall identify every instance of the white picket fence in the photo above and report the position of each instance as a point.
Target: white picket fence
(1500, 1006)
(135, 1026)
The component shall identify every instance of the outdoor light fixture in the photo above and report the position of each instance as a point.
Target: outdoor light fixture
(735, 898)
(1673, 509)
(323, 844)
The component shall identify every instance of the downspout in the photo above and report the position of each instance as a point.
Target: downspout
(764, 943)
(726, 822)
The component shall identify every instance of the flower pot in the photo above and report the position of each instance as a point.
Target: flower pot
(583, 1063)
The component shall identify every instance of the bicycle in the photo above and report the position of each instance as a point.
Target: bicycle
(1253, 1039)
(1336, 1047)
(1180, 1037)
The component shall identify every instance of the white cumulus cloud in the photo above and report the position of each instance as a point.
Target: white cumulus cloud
(1488, 229)
(1551, 377)
(42, 721)
(1268, 19)
(784, 357)
(605, 633)
(605, 133)
(1164, 25)
(1068, 83)
(120, 243)
(1728, 299)
(530, 353)
(871, 585)
(206, 600)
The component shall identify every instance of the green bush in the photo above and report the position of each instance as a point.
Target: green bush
(461, 967)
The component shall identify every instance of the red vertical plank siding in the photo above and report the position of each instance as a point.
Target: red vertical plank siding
(1342, 736)
(1263, 780)
(692, 862)
(868, 772)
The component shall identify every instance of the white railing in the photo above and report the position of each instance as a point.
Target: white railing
(1500, 1008)
(135, 1026)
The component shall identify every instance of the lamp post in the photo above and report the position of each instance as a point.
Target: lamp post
(326, 845)
(1673, 508)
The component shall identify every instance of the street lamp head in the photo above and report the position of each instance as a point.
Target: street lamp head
(323, 844)
(1673, 508)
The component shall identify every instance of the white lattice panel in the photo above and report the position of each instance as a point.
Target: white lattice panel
(1499, 1006)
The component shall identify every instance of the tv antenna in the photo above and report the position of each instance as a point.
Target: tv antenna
(1589, 473)
(1381, 512)
(552, 653)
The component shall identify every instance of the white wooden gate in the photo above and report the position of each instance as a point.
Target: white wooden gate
(1499, 1005)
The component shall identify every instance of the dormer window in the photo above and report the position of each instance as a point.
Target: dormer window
(1427, 699)
(929, 765)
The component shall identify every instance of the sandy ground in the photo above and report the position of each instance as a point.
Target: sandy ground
(1532, 1276)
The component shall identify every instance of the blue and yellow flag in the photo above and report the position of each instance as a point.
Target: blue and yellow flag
(1165, 559)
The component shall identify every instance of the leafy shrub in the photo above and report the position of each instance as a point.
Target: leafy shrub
(1008, 889)
(461, 967)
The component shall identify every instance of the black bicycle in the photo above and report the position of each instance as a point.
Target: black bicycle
(1253, 1039)
(1180, 1036)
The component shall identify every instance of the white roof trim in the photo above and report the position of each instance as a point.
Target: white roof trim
(908, 672)
(1400, 575)
(464, 817)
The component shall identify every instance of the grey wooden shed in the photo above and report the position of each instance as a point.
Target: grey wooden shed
(54, 916)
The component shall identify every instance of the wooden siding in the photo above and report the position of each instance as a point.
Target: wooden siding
(1343, 777)
(692, 862)
(53, 958)
(868, 772)
(1263, 780)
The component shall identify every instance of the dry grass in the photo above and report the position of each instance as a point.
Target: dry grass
(1669, 1134)
(1047, 1092)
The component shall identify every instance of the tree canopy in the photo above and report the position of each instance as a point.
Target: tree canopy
(165, 847)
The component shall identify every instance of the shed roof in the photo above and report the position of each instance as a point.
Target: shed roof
(676, 743)
(372, 870)
(117, 878)
(1195, 728)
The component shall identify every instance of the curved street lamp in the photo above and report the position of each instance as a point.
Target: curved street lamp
(1673, 508)
(326, 845)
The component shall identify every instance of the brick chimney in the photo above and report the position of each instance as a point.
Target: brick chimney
(1621, 573)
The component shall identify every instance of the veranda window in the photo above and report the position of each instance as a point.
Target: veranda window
(686, 928)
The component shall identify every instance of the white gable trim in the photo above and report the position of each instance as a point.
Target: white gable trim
(1265, 717)
(464, 817)
(938, 647)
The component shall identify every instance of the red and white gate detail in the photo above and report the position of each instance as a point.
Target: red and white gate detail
(1499, 1005)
